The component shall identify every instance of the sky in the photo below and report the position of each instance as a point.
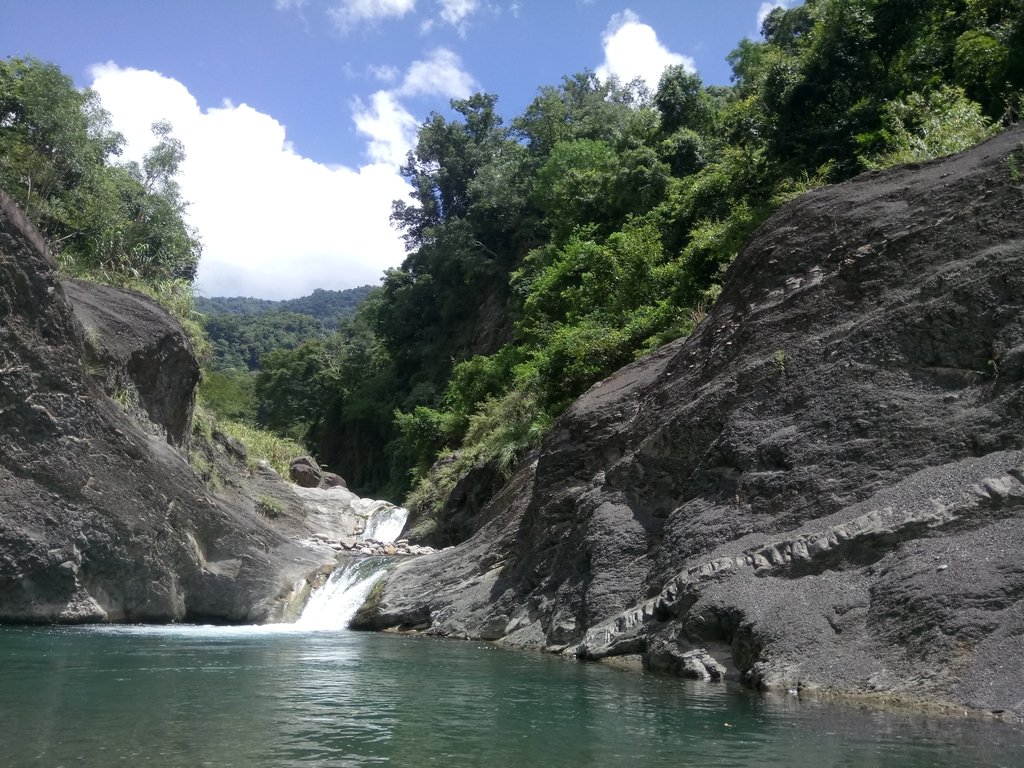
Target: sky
(296, 115)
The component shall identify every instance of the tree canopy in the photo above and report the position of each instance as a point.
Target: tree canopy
(58, 160)
(547, 251)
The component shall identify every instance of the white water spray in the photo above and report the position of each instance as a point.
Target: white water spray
(385, 525)
(336, 602)
(333, 605)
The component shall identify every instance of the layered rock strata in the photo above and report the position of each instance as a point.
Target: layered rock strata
(819, 489)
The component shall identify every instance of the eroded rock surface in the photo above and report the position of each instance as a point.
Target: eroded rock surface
(140, 356)
(100, 518)
(820, 488)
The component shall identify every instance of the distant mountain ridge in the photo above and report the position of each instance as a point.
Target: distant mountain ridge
(242, 329)
(327, 306)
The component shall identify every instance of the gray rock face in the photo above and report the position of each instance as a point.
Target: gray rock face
(463, 512)
(101, 520)
(821, 488)
(140, 356)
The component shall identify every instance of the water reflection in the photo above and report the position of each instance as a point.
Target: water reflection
(273, 697)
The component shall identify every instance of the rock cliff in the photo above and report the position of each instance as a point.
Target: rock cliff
(821, 488)
(138, 354)
(101, 518)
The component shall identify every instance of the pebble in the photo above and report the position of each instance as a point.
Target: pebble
(400, 548)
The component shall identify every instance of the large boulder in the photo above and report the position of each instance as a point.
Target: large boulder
(821, 488)
(139, 354)
(305, 472)
(100, 519)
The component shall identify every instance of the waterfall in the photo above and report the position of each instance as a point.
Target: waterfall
(336, 602)
(385, 525)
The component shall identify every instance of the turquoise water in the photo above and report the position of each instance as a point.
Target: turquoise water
(195, 696)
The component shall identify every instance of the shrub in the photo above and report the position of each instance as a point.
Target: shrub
(269, 507)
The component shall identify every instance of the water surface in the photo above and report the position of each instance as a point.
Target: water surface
(204, 696)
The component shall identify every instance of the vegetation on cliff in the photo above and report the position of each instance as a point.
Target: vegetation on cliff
(547, 252)
(544, 252)
(118, 223)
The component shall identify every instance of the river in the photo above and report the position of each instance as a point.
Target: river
(282, 696)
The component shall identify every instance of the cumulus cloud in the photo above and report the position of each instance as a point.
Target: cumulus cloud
(769, 6)
(632, 50)
(388, 126)
(456, 12)
(348, 13)
(440, 74)
(274, 224)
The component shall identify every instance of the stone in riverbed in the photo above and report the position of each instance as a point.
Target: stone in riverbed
(699, 665)
(305, 472)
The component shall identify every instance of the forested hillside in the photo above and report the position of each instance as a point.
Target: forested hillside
(546, 251)
(324, 305)
(242, 329)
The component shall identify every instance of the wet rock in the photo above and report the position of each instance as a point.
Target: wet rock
(494, 627)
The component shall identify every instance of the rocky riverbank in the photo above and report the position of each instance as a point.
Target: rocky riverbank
(820, 489)
(104, 515)
(372, 546)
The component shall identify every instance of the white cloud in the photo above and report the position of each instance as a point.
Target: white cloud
(389, 126)
(440, 74)
(347, 13)
(274, 224)
(455, 12)
(287, 5)
(385, 73)
(632, 50)
(769, 6)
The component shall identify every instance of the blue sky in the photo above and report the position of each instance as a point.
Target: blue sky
(296, 114)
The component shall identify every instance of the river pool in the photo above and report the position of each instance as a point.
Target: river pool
(274, 696)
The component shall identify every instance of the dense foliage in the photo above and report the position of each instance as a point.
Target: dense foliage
(329, 307)
(241, 330)
(100, 217)
(598, 224)
(121, 223)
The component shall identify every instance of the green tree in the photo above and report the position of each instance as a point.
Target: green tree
(56, 160)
